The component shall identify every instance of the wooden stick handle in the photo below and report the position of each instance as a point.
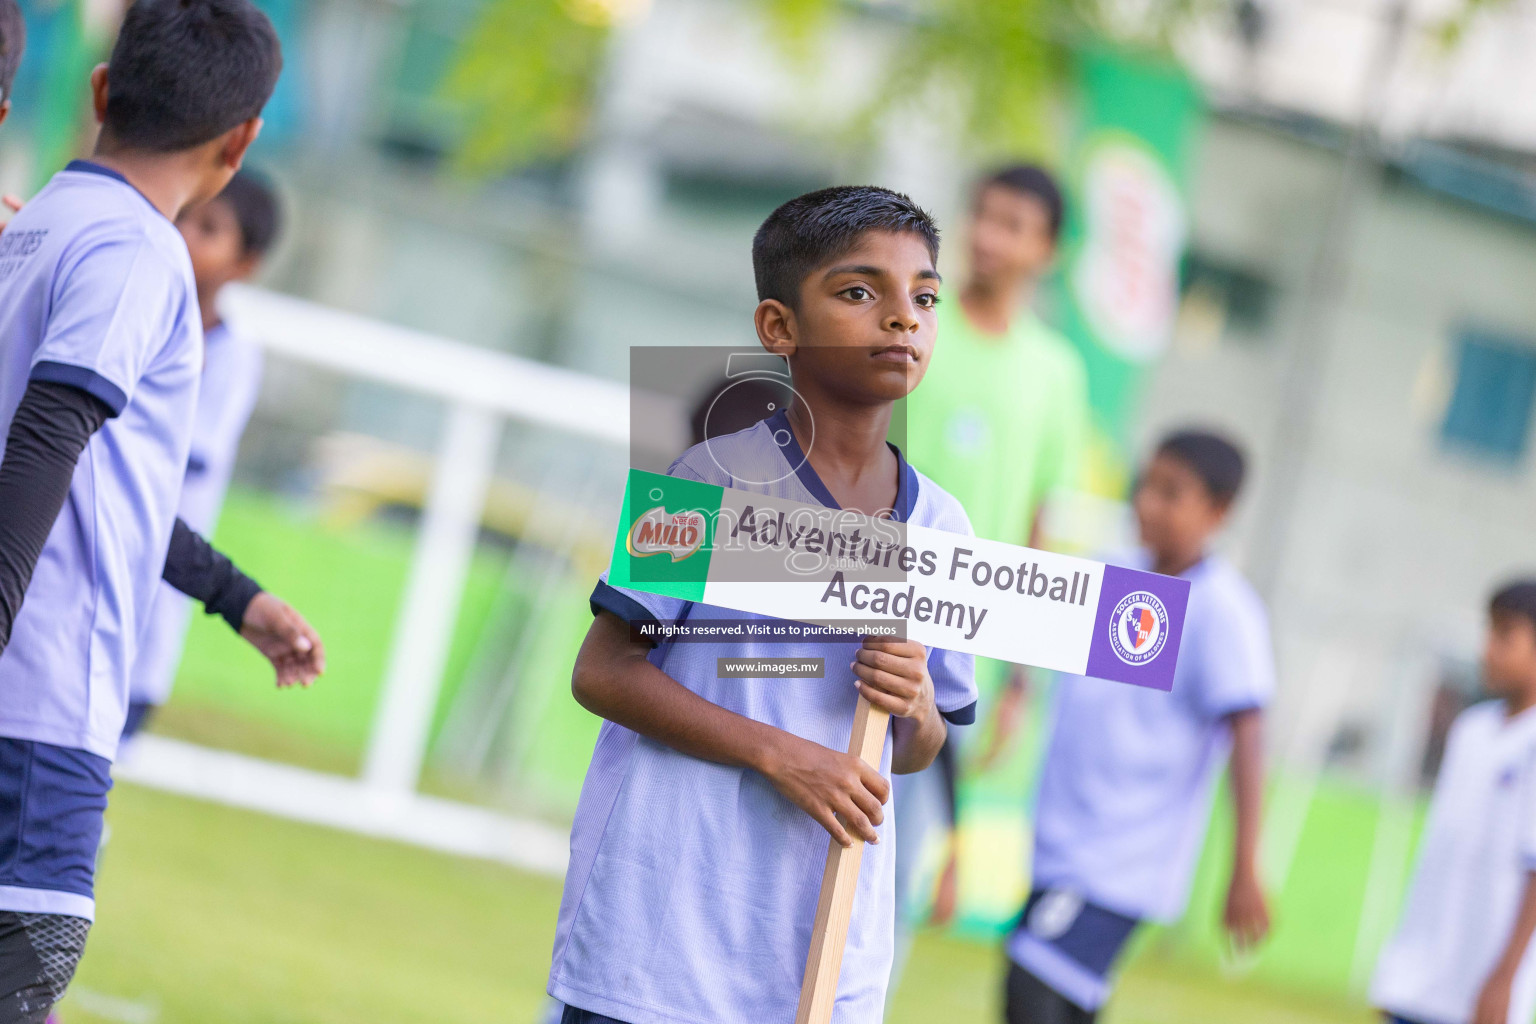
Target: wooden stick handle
(838, 883)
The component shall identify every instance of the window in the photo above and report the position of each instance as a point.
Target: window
(1244, 298)
(1490, 409)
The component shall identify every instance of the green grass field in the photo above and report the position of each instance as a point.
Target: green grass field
(210, 914)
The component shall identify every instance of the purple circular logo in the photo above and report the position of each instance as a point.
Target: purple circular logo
(1138, 628)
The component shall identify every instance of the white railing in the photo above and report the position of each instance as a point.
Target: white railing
(482, 389)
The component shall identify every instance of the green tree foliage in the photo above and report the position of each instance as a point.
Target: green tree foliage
(528, 73)
(1448, 32)
(525, 81)
(996, 65)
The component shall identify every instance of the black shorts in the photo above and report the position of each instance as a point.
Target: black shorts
(1028, 1000)
(38, 956)
(575, 1015)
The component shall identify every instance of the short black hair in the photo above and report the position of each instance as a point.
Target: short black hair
(1216, 461)
(749, 402)
(1034, 181)
(1515, 598)
(13, 40)
(183, 72)
(256, 210)
(811, 230)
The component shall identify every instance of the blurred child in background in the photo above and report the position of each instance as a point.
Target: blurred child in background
(227, 237)
(1002, 413)
(1126, 787)
(13, 41)
(999, 422)
(1461, 953)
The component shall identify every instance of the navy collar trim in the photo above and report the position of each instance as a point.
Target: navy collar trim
(906, 487)
(91, 167)
(906, 476)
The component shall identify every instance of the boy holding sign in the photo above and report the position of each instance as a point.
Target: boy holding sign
(692, 890)
(1126, 787)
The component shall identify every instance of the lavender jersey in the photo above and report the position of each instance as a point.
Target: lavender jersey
(1126, 787)
(226, 397)
(692, 886)
(96, 292)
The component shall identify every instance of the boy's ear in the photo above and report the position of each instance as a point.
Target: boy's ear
(776, 327)
(1527, 629)
(1051, 257)
(99, 92)
(246, 267)
(237, 140)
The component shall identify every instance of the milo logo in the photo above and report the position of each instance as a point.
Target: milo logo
(658, 531)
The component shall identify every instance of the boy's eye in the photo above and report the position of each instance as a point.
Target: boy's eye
(927, 300)
(858, 293)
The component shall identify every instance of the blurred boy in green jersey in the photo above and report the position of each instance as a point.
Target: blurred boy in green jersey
(1002, 417)
(1000, 422)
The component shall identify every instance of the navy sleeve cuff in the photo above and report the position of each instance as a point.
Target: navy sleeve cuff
(961, 716)
(89, 381)
(611, 599)
(231, 604)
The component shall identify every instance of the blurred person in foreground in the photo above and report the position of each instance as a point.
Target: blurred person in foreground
(100, 354)
(1126, 788)
(1000, 423)
(13, 42)
(1462, 950)
(227, 238)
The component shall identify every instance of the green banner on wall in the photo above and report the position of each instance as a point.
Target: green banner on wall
(1128, 172)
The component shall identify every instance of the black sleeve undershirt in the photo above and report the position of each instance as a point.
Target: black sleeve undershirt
(52, 425)
(199, 570)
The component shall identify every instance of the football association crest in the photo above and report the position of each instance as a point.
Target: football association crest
(1138, 628)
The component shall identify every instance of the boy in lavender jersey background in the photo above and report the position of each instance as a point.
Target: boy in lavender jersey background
(1462, 952)
(227, 238)
(1126, 788)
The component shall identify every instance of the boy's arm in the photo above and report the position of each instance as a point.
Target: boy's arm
(202, 572)
(11, 203)
(1493, 1001)
(1009, 710)
(1010, 703)
(51, 427)
(1247, 916)
(614, 679)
